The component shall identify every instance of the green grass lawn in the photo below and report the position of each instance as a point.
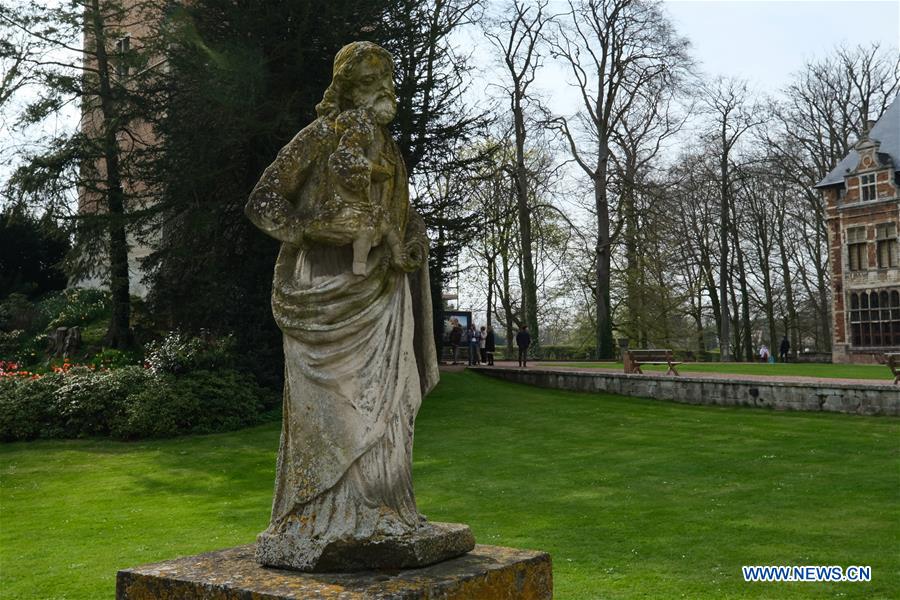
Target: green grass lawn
(779, 369)
(633, 498)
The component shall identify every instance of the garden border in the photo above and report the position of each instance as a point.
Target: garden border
(840, 397)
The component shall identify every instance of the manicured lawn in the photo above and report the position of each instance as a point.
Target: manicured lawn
(778, 369)
(633, 498)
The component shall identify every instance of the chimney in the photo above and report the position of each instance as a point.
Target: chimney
(869, 125)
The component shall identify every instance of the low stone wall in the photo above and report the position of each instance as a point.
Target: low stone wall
(847, 398)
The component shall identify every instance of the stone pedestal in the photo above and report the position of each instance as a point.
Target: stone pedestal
(429, 544)
(486, 573)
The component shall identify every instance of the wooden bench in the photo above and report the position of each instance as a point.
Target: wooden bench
(892, 359)
(654, 356)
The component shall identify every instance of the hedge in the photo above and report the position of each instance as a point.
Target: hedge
(129, 403)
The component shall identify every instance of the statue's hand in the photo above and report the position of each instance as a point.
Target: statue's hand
(413, 252)
(413, 256)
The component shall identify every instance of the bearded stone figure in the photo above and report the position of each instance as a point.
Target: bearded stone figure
(351, 296)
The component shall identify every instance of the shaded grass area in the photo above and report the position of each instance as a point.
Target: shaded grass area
(633, 498)
(843, 371)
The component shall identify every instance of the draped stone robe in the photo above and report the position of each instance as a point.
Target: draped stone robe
(359, 355)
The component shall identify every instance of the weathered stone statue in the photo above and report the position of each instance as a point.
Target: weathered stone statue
(351, 296)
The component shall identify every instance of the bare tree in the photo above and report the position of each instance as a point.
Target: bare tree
(517, 36)
(727, 104)
(614, 49)
(638, 142)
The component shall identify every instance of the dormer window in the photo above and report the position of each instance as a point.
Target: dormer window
(867, 188)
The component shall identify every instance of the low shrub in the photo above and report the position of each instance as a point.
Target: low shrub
(128, 403)
(197, 402)
(91, 403)
(17, 312)
(11, 342)
(26, 407)
(695, 356)
(180, 353)
(115, 359)
(565, 352)
(75, 306)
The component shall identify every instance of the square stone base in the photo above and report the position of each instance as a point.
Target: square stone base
(485, 573)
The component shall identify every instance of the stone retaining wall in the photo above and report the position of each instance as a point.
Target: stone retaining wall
(847, 398)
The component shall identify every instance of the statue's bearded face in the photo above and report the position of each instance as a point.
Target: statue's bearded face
(372, 87)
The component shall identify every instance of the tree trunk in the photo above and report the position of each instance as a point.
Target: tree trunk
(746, 329)
(710, 284)
(491, 273)
(725, 320)
(762, 248)
(507, 305)
(824, 290)
(735, 348)
(791, 328)
(604, 336)
(436, 281)
(529, 286)
(698, 319)
(633, 294)
(119, 333)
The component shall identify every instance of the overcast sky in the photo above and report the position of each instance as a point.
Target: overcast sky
(763, 41)
(766, 41)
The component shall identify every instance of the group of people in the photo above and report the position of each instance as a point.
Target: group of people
(783, 350)
(482, 343)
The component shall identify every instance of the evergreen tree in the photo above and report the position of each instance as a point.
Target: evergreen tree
(31, 253)
(243, 78)
(81, 52)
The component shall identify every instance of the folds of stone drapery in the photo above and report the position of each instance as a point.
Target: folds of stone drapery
(352, 385)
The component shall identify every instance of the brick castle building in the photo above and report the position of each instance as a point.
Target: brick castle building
(863, 213)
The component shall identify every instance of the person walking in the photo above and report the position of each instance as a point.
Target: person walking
(523, 340)
(764, 353)
(472, 341)
(482, 344)
(490, 346)
(784, 349)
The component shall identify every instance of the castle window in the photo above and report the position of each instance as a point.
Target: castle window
(856, 248)
(875, 318)
(867, 188)
(123, 45)
(886, 236)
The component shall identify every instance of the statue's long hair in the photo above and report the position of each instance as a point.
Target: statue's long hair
(334, 100)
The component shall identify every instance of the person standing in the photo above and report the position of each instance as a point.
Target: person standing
(456, 334)
(523, 340)
(482, 344)
(472, 341)
(764, 353)
(490, 346)
(784, 349)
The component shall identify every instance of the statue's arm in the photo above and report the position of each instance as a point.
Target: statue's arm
(415, 242)
(270, 206)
